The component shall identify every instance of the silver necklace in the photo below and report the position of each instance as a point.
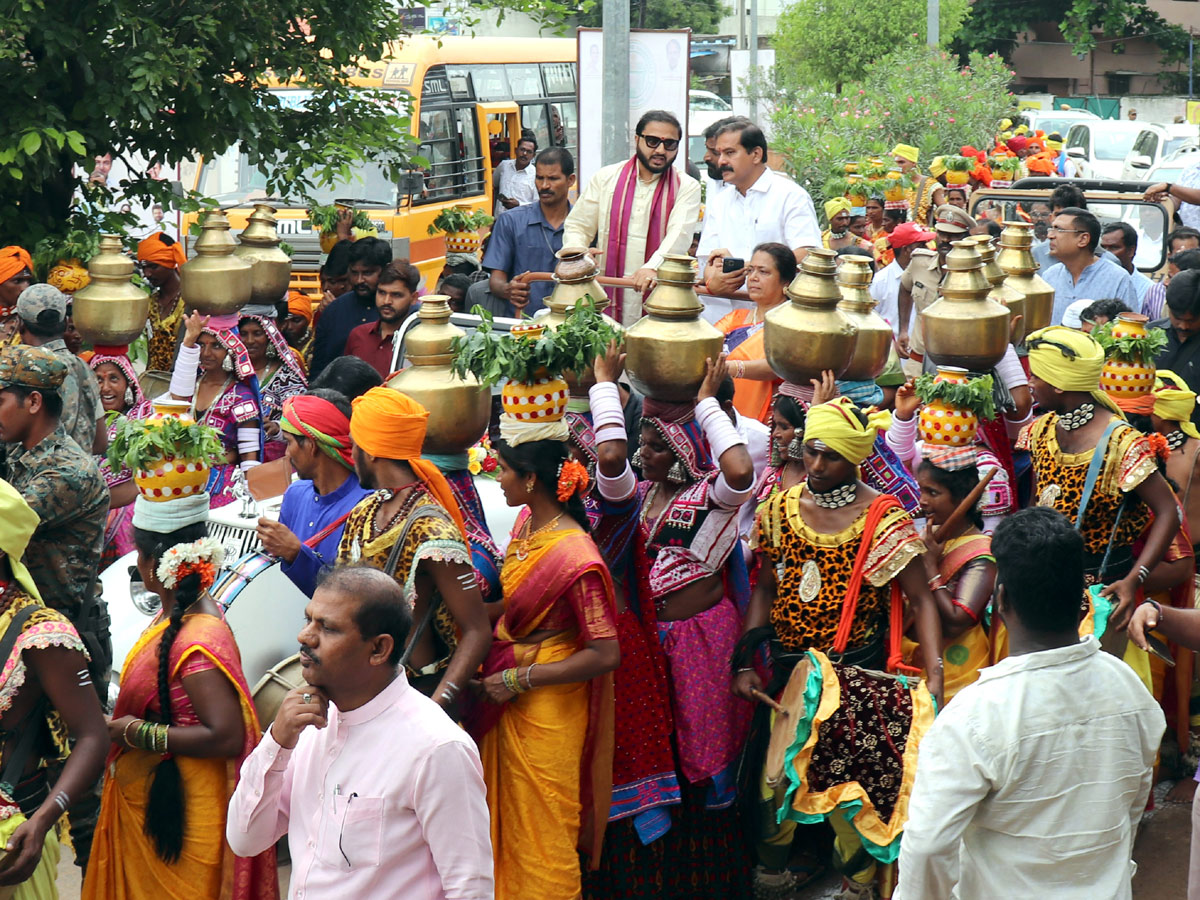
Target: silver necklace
(1077, 418)
(842, 495)
(1176, 439)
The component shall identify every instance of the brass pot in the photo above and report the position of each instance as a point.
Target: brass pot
(1002, 292)
(110, 310)
(666, 348)
(459, 408)
(271, 270)
(810, 334)
(215, 281)
(575, 280)
(874, 338)
(965, 327)
(1016, 260)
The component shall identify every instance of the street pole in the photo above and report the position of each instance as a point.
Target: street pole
(933, 25)
(1191, 62)
(614, 128)
(753, 73)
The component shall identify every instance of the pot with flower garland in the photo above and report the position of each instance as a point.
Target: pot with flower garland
(1130, 349)
(953, 405)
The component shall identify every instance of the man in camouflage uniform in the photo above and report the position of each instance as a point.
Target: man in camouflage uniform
(43, 316)
(63, 485)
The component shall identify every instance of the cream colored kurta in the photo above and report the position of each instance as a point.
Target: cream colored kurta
(589, 220)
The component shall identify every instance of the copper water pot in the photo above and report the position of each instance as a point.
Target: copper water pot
(215, 281)
(1016, 260)
(459, 408)
(1002, 292)
(110, 310)
(965, 327)
(874, 338)
(809, 334)
(666, 348)
(271, 270)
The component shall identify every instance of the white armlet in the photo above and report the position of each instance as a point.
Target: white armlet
(183, 377)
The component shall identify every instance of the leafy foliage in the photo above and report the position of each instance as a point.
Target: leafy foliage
(975, 395)
(959, 163)
(453, 218)
(571, 347)
(835, 42)
(916, 96)
(324, 218)
(1143, 349)
(166, 82)
(139, 443)
(702, 16)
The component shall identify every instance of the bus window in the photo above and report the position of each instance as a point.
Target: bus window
(564, 125)
(526, 82)
(438, 139)
(471, 166)
(533, 118)
(491, 83)
(560, 78)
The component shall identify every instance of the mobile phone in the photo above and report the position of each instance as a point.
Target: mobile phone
(732, 264)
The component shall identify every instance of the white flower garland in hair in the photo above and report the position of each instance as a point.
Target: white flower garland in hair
(206, 550)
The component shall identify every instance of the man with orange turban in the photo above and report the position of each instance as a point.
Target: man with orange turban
(16, 274)
(160, 257)
(412, 528)
(296, 326)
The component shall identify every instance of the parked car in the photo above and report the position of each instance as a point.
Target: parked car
(1099, 147)
(1154, 144)
(1052, 120)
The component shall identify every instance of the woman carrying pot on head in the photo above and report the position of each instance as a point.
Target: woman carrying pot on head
(697, 473)
(280, 374)
(182, 725)
(213, 371)
(769, 271)
(121, 397)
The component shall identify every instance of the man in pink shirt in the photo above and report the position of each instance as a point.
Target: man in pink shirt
(383, 796)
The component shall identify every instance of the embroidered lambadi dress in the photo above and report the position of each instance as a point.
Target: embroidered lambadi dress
(812, 570)
(425, 531)
(1128, 461)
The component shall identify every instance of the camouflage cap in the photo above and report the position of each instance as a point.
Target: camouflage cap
(31, 367)
(40, 297)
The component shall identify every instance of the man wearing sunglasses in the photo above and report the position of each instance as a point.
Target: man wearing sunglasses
(765, 206)
(636, 212)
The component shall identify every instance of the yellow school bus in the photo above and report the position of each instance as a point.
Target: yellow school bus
(471, 98)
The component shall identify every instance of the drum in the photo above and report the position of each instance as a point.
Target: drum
(232, 581)
(268, 694)
(783, 732)
(155, 383)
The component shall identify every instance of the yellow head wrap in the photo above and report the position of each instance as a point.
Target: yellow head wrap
(835, 206)
(836, 425)
(906, 151)
(1070, 361)
(937, 166)
(1005, 124)
(1175, 404)
(1021, 129)
(18, 521)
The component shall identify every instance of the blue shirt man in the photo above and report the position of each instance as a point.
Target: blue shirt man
(1080, 273)
(305, 512)
(526, 238)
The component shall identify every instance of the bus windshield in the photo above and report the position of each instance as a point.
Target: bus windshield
(231, 180)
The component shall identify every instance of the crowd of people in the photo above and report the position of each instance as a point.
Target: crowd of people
(593, 705)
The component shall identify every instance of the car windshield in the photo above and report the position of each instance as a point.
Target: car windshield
(1175, 143)
(708, 104)
(231, 180)
(1062, 126)
(1112, 145)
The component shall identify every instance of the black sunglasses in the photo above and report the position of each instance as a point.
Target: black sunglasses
(652, 142)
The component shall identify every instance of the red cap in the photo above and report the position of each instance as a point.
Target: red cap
(908, 233)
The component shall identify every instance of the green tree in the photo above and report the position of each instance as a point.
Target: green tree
(833, 42)
(169, 81)
(702, 16)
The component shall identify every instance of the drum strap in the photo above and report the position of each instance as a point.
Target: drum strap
(325, 532)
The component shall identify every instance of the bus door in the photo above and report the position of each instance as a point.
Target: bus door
(501, 122)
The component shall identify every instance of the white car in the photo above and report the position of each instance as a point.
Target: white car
(1153, 145)
(1099, 147)
(1055, 120)
(704, 108)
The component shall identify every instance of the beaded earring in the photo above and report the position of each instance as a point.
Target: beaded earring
(636, 462)
(677, 474)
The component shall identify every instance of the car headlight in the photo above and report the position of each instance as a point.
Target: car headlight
(146, 602)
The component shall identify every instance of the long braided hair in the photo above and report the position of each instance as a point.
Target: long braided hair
(165, 813)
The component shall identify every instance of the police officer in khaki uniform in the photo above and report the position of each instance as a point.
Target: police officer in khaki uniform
(920, 281)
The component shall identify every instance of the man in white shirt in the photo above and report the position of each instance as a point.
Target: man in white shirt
(763, 206)
(1032, 781)
(638, 211)
(379, 792)
(516, 178)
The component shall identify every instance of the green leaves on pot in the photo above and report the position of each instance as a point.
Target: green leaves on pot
(140, 443)
(324, 219)
(1143, 349)
(456, 218)
(976, 395)
(571, 347)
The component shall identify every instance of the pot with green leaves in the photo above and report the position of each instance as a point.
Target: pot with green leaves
(809, 334)
(965, 327)
(953, 405)
(666, 348)
(170, 455)
(531, 359)
(324, 221)
(958, 169)
(271, 268)
(575, 283)
(459, 405)
(215, 281)
(1130, 349)
(874, 334)
(461, 225)
(110, 311)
